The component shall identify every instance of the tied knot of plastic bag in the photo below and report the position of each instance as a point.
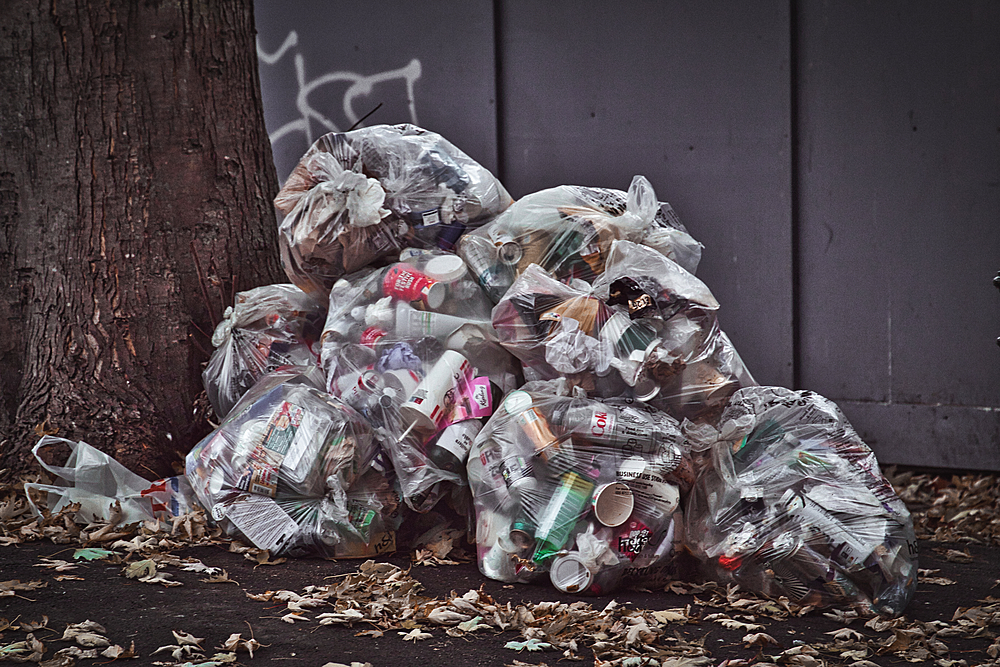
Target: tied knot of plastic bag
(571, 350)
(640, 208)
(225, 328)
(360, 196)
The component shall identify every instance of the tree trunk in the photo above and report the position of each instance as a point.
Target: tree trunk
(133, 158)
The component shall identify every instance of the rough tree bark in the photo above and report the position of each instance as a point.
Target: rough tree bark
(133, 157)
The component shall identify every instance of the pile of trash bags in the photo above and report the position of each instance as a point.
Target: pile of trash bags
(550, 370)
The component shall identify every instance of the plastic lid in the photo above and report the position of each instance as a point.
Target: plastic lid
(446, 268)
(569, 574)
(517, 401)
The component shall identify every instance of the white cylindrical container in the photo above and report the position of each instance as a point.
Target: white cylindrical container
(412, 323)
(431, 401)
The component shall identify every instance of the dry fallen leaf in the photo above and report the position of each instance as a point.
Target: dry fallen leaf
(294, 617)
(10, 587)
(116, 651)
(759, 639)
(56, 564)
(670, 616)
(236, 642)
(415, 635)
(732, 624)
(846, 635)
(222, 578)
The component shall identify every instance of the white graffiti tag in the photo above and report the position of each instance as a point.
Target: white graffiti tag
(359, 85)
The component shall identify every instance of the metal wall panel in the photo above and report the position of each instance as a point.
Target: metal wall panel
(899, 192)
(324, 65)
(693, 95)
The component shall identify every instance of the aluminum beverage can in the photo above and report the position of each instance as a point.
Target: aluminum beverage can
(610, 426)
(518, 473)
(481, 257)
(519, 405)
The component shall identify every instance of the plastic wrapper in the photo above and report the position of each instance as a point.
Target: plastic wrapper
(795, 505)
(290, 470)
(411, 347)
(568, 231)
(268, 327)
(358, 197)
(104, 488)
(584, 492)
(646, 329)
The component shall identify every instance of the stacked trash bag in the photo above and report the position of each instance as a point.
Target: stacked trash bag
(550, 369)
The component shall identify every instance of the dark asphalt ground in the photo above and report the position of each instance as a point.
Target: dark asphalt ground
(145, 614)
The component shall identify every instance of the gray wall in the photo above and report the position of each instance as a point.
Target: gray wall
(840, 162)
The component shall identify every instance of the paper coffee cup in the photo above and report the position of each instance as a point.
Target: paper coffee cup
(612, 503)
(430, 402)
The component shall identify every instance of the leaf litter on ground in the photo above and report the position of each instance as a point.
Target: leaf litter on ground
(946, 510)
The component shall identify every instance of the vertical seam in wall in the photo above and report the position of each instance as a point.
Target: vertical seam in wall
(795, 219)
(498, 91)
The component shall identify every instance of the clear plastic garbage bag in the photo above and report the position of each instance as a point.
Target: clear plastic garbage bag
(646, 329)
(358, 197)
(568, 231)
(584, 492)
(795, 505)
(267, 327)
(666, 334)
(411, 347)
(290, 470)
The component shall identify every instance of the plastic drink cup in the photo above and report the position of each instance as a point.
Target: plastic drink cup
(445, 268)
(355, 388)
(403, 381)
(432, 399)
(404, 282)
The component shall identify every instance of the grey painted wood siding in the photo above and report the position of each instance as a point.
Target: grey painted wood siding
(839, 161)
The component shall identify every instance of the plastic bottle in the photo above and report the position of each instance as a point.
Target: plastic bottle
(565, 507)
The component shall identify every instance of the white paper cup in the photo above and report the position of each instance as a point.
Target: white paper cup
(612, 503)
(428, 405)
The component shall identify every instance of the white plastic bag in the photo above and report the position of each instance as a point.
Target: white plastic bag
(97, 482)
